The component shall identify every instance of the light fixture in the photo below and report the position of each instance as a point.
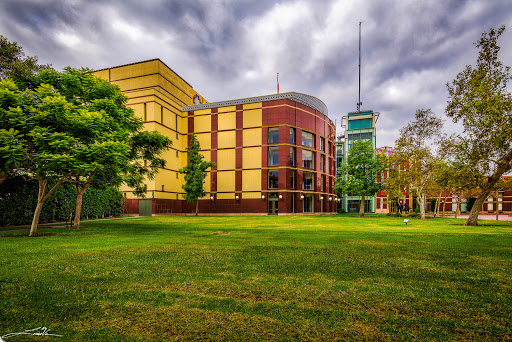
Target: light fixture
(212, 197)
(321, 198)
(301, 197)
(262, 197)
(280, 196)
(330, 198)
(237, 197)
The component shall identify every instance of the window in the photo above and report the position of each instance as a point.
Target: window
(292, 179)
(176, 153)
(292, 201)
(321, 163)
(273, 156)
(163, 187)
(307, 139)
(307, 180)
(145, 113)
(273, 135)
(292, 156)
(161, 115)
(308, 203)
(292, 135)
(322, 144)
(322, 183)
(307, 159)
(361, 123)
(273, 179)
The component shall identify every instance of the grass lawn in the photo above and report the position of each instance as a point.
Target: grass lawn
(260, 278)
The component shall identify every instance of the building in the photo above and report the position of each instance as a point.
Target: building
(274, 154)
(358, 125)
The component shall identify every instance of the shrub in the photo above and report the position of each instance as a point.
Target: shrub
(417, 210)
(397, 214)
(415, 215)
(18, 199)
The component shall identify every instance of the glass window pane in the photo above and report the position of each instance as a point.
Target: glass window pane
(292, 179)
(307, 159)
(292, 135)
(273, 156)
(273, 179)
(307, 180)
(307, 139)
(292, 156)
(273, 135)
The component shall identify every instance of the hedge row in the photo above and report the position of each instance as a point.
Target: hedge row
(18, 199)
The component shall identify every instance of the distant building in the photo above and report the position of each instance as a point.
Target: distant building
(357, 126)
(274, 153)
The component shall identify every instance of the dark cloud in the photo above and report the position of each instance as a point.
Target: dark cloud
(231, 49)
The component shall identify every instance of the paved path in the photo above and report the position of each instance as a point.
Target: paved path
(501, 217)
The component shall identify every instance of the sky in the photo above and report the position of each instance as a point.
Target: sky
(234, 49)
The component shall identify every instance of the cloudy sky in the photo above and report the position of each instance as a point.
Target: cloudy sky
(230, 49)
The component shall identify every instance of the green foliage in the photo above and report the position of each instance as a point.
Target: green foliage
(415, 215)
(359, 175)
(15, 65)
(341, 211)
(18, 199)
(417, 210)
(397, 214)
(480, 98)
(195, 172)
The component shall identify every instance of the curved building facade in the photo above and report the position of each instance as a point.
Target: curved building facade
(274, 154)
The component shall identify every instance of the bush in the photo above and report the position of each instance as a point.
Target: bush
(397, 214)
(341, 211)
(417, 210)
(415, 215)
(18, 200)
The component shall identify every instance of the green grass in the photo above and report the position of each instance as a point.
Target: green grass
(260, 278)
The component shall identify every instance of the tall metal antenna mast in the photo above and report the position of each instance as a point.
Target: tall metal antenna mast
(359, 103)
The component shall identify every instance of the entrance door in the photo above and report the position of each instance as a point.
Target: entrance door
(273, 205)
(145, 207)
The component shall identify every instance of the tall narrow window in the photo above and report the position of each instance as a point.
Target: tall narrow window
(273, 156)
(273, 135)
(308, 139)
(292, 135)
(273, 179)
(321, 163)
(162, 115)
(145, 113)
(292, 156)
(307, 180)
(307, 159)
(292, 179)
(292, 201)
(322, 144)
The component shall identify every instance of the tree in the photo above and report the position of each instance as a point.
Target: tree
(15, 65)
(414, 160)
(195, 173)
(359, 174)
(479, 97)
(44, 122)
(116, 144)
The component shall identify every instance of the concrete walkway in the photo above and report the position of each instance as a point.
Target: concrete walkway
(501, 217)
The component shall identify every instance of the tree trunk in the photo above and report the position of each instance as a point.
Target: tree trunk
(444, 206)
(79, 198)
(503, 166)
(457, 210)
(43, 183)
(197, 207)
(361, 206)
(42, 196)
(419, 200)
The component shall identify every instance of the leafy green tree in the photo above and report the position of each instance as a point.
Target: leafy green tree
(414, 159)
(359, 174)
(480, 99)
(112, 138)
(195, 173)
(15, 65)
(44, 120)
